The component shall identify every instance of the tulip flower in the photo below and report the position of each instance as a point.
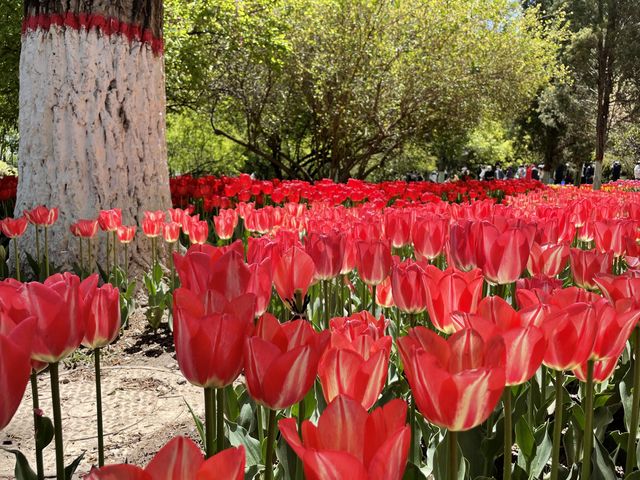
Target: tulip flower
(373, 261)
(456, 382)
(409, 287)
(348, 442)
(225, 223)
(14, 227)
(397, 226)
(585, 265)
(547, 260)
(384, 293)
(198, 232)
(429, 236)
(450, 291)
(294, 273)
(84, 228)
(260, 284)
(171, 232)
(126, 234)
(15, 363)
(281, 361)
(281, 364)
(462, 250)
(102, 322)
(110, 220)
(620, 287)
(327, 252)
(359, 373)
(610, 236)
(42, 216)
(151, 228)
(56, 306)
(179, 459)
(501, 254)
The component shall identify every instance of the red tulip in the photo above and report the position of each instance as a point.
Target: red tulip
(57, 307)
(125, 234)
(180, 459)
(294, 273)
(621, 287)
(409, 287)
(14, 227)
(84, 228)
(610, 236)
(462, 251)
(430, 236)
(225, 223)
(110, 220)
(151, 228)
(350, 443)
(458, 382)
(209, 339)
(397, 226)
(358, 331)
(361, 377)
(42, 215)
(450, 291)
(525, 343)
(281, 361)
(171, 232)
(198, 232)
(547, 259)
(586, 264)
(373, 261)
(260, 284)
(502, 254)
(15, 363)
(570, 333)
(102, 321)
(327, 251)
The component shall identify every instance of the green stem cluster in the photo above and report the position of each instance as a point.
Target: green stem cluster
(635, 405)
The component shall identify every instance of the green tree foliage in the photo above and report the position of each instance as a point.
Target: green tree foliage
(11, 15)
(334, 88)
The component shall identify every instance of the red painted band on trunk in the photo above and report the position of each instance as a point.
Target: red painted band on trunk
(105, 25)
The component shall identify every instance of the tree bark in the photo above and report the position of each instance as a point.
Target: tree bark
(605, 51)
(92, 114)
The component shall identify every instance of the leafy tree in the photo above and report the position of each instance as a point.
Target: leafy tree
(330, 88)
(11, 14)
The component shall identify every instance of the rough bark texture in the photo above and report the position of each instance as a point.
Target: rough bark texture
(92, 121)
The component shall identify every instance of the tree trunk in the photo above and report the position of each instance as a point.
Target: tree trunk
(92, 114)
(606, 48)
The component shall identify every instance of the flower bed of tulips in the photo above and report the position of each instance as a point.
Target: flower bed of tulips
(352, 339)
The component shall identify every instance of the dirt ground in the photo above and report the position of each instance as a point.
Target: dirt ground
(144, 403)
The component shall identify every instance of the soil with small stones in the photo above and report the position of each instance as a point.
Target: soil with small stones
(144, 398)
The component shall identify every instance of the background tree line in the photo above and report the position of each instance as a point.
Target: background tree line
(372, 88)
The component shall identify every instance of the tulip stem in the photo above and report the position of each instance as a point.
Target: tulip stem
(173, 268)
(115, 252)
(301, 415)
(635, 408)
(81, 255)
(46, 251)
(108, 256)
(373, 300)
(588, 423)
(453, 456)
(260, 424)
(220, 420)
(126, 261)
(17, 258)
(325, 314)
(412, 425)
(557, 427)
(209, 420)
(271, 437)
(89, 256)
(57, 420)
(38, 251)
(508, 437)
(96, 358)
(36, 420)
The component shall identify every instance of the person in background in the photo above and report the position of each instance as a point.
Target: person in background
(522, 172)
(616, 170)
(636, 171)
(560, 174)
(499, 172)
(535, 172)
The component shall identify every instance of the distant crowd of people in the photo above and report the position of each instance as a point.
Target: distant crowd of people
(563, 175)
